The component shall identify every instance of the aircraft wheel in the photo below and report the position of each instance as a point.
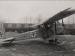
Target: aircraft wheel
(10, 42)
(50, 41)
(57, 41)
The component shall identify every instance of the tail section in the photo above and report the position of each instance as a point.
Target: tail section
(5, 40)
(2, 31)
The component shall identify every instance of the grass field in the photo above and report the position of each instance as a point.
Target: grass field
(38, 48)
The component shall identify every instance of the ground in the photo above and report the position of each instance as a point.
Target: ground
(39, 48)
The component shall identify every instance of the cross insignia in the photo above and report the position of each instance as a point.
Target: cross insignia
(33, 34)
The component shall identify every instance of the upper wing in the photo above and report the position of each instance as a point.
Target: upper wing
(58, 16)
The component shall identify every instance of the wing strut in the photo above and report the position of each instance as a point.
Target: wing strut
(55, 29)
(62, 23)
(64, 27)
(46, 30)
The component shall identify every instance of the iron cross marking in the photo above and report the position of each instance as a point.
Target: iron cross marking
(1, 33)
(33, 34)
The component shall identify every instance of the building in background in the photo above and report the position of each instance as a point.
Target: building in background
(18, 27)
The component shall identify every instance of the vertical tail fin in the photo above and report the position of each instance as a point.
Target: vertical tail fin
(2, 31)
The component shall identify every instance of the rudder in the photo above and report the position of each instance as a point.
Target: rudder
(2, 31)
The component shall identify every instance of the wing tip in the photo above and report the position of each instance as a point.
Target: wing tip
(67, 9)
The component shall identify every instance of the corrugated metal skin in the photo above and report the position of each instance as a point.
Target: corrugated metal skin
(26, 25)
(9, 25)
(30, 25)
(5, 25)
(22, 25)
(15, 25)
(18, 25)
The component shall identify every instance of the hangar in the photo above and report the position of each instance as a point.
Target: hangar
(16, 27)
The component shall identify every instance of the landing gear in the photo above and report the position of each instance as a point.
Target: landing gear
(10, 42)
(55, 41)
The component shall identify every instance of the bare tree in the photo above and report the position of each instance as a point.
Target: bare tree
(1, 22)
(39, 18)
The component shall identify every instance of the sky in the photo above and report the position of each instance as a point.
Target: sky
(23, 11)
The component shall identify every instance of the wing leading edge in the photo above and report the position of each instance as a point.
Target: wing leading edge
(58, 16)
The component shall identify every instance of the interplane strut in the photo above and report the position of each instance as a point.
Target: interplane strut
(46, 30)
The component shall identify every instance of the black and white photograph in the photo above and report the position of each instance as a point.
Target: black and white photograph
(37, 28)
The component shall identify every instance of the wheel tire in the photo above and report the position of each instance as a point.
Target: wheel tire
(56, 41)
(10, 42)
(50, 41)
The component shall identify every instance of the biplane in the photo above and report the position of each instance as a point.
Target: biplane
(45, 30)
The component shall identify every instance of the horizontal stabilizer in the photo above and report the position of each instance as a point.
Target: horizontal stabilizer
(8, 40)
